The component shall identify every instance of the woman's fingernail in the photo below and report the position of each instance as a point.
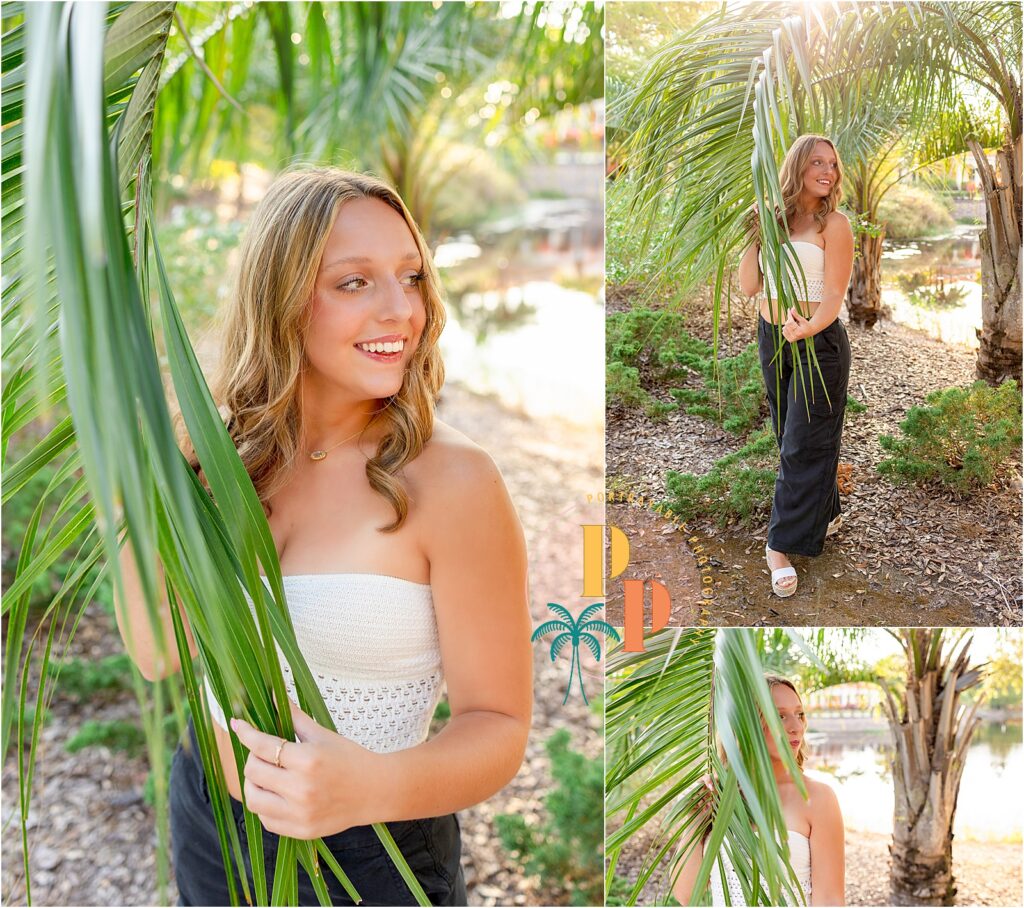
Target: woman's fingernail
(234, 724)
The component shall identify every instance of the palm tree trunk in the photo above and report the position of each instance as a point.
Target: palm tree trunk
(864, 298)
(931, 731)
(999, 356)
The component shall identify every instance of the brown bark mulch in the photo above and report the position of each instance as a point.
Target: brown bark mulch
(905, 554)
(92, 839)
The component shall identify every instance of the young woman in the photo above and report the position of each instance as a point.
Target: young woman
(815, 825)
(403, 559)
(806, 507)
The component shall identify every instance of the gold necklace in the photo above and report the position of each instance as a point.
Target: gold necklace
(322, 453)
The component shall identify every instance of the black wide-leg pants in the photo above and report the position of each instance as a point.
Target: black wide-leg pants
(806, 494)
(432, 847)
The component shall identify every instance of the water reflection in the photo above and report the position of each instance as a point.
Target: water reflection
(525, 320)
(952, 262)
(854, 758)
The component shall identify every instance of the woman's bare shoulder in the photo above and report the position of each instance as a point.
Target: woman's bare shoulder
(821, 797)
(836, 221)
(453, 466)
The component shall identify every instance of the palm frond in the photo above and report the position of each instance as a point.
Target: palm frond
(665, 709)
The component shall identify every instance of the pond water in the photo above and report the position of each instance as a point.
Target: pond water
(525, 314)
(857, 765)
(952, 262)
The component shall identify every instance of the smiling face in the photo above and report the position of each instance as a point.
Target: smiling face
(367, 311)
(822, 171)
(791, 713)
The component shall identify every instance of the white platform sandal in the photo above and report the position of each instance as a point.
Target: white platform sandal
(783, 591)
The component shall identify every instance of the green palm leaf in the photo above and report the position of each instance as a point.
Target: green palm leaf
(711, 685)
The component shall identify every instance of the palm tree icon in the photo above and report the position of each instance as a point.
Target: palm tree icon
(575, 631)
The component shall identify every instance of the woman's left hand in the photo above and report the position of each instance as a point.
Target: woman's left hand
(323, 785)
(796, 327)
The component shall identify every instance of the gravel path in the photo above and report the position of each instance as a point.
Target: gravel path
(986, 873)
(92, 839)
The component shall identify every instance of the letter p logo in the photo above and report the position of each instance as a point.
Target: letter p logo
(594, 583)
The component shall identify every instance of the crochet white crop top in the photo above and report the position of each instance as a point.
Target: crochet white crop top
(812, 259)
(371, 642)
(799, 859)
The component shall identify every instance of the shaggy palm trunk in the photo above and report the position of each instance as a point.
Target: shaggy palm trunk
(932, 731)
(999, 356)
(864, 298)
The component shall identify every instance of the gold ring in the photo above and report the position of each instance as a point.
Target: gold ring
(277, 756)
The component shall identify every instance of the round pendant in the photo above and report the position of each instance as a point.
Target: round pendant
(318, 455)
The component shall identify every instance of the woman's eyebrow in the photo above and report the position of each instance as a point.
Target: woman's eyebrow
(364, 260)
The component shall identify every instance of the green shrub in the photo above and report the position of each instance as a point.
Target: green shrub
(82, 678)
(657, 333)
(196, 244)
(622, 385)
(732, 392)
(909, 212)
(740, 383)
(117, 734)
(736, 488)
(566, 849)
(618, 892)
(962, 439)
(854, 406)
(625, 258)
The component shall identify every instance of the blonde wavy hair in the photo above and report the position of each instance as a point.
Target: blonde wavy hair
(779, 681)
(264, 327)
(791, 181)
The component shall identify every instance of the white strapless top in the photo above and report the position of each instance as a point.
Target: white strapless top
(812, 260)
(371, 642)
(799, 858)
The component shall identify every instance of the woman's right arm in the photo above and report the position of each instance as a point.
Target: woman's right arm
(682, 888)
(750, 271)
(137, 632)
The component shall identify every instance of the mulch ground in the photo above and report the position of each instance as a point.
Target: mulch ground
(92, 839)
(905, 555)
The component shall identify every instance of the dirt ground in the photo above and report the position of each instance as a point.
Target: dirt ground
(92, 839)
(904, 555)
